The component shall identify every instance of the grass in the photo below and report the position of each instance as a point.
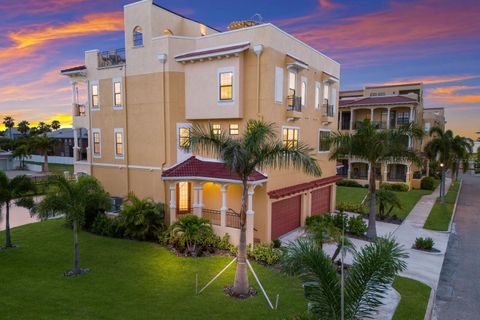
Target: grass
(56, 168)
(441, 214)
(128, 280)
(414, 299)
(408, 199)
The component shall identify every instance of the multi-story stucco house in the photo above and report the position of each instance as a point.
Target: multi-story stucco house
(175, 72)
(388, 106)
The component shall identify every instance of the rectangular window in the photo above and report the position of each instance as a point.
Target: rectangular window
(117, 93)
(216, 129)
(184, 137)
(304, 92)
(233, 129)
(403, 117)
(226, 86)
(97, 142)
(292, 80)
(427, 127)
(278, 84)
(290, 137)
(95, 102)
(326, 91)
(323, 141)
(118, 138)
(317, 95)
(184, 196)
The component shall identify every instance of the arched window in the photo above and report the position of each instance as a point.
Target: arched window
(137, 36)
(167, 32)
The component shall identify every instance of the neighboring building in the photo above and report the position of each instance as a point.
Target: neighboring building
(7, 162)
(175, 72)
(387, 107)
(65, 137)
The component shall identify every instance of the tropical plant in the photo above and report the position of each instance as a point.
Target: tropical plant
(16, 191)
(258, 147)
(356, 226)
(189, 231)
(23, 149)
(9, 123)
(399, 187)
(265, 253)
(428, 183)
(424, 243)
(375, 146)
(24, 127)
(320, 229)
(141, 219)
(55, 125)
(387, 201)
(71, 198)
(366, 283)
(44, 144)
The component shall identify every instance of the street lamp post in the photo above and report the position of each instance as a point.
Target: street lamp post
(442, 184)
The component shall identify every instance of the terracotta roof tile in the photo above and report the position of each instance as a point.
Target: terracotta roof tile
(283, 192)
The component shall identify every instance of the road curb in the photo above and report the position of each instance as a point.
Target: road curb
(430, 305)
(455, 207)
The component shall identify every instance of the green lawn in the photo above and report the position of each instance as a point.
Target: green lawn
(409, 199)
(441, 214)
(414, 299)
(350, 194)
(129, 280)
(56, 168)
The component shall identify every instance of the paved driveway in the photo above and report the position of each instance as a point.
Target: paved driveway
(458, 292)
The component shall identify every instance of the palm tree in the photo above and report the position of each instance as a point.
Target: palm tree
(71, 198)
(9, 123)
(258, 147)
(18, 191)
(44, 144)
(23, 127)
(189, 229)
(375, 146)
(23, 149)
(366, 283)
(462, 148)
(387, 201)
(55, 125)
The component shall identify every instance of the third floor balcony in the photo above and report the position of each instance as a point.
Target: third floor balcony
(111, 58)
(294, 107)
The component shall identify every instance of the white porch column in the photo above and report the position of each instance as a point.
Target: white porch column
(410, 142)
(250, 213)
(385, 171)
(74, 97)
(371, 114)
(349, 172)
(351, 119)
(407, 178)
(388, 118)
(223, 209)
(411, 115)
(76, 149)
(173, 208)
(197, 203)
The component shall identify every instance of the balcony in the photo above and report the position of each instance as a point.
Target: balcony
(79, 110)
(328, 113)
(294, 107)
(379, 124)
(111, 58)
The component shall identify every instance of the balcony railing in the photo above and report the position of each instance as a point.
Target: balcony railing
(232, 219)
(79, 110)
(294, 103)
(380, 124)
(328, 110)
(214, 216)
(111, 58)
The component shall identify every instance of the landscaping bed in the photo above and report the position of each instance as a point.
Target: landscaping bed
(414, 299)
(441, 214)
(128, 280)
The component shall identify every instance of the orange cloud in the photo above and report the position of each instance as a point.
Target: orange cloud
(427, 80)
(452, 89)
(328, 4)
(15, 8)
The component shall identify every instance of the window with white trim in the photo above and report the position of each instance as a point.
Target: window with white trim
(119, 143)
(317, 95)
(290, 137)
(233, 129)
(216, 129)
(326, 90)
(95, 96)
(117, 93)
(97, 143)
(225, 80)
(304, 92)
(184, 137)
(278, 85)
(137, 36)
(324, 140)
(292, 81)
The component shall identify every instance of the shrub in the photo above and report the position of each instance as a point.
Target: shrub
(265, 253)
(349, 183)
(191, 233)
(357, 226)
(276, 243)
(424, 243)
(400, 187)
(352, 207)
(339, 220)
(428, 183)
(105, 226)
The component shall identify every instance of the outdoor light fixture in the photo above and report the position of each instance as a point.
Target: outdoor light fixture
(441, 164)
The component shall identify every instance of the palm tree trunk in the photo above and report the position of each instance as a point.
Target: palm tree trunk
(240, 285)
(76, 261)
(45, 161)
(8, 239)
(372, 230)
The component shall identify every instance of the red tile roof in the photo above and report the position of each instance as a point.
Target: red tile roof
(193, 167)
(212, 52)
(377, 100)
(283, 192)
(77, 68)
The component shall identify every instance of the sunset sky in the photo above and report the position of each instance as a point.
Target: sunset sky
(376, 42)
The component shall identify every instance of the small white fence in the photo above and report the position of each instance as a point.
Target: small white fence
(51, 159)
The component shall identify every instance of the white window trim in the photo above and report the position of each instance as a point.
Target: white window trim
(93, 83)
(326, 93)
(120, 80)
(304, 99)
(318, 140)
(181, 154)
(281, 71)
(291, 127)
(318, 96)
(96, 155)
(293, 71)
(234, 84)
(115, 131)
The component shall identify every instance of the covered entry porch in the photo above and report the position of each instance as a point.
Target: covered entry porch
(208, 189)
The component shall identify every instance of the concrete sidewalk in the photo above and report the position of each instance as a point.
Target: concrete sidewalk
(18, 217)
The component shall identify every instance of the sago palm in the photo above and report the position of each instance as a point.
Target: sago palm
(16, 191)
(375, 146)
(70, 198)
(387, 201)
(257, 148)
(189, 229)
(366, 283)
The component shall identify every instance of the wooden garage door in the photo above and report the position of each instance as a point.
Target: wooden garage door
(285, 216)
(321, 201)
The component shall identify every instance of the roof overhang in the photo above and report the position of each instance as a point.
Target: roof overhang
(80, 71)
(294, 63)
(211, 53)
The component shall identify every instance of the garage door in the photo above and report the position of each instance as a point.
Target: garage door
(285, 216)
(321, 201)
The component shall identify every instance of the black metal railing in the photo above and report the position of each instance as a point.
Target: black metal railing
(294, 103)
(359, 175)
(80, 110)
(232, 219)
(328, 110)
(380, 124)
(397, 177)
(111, 58)
(214, 216)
